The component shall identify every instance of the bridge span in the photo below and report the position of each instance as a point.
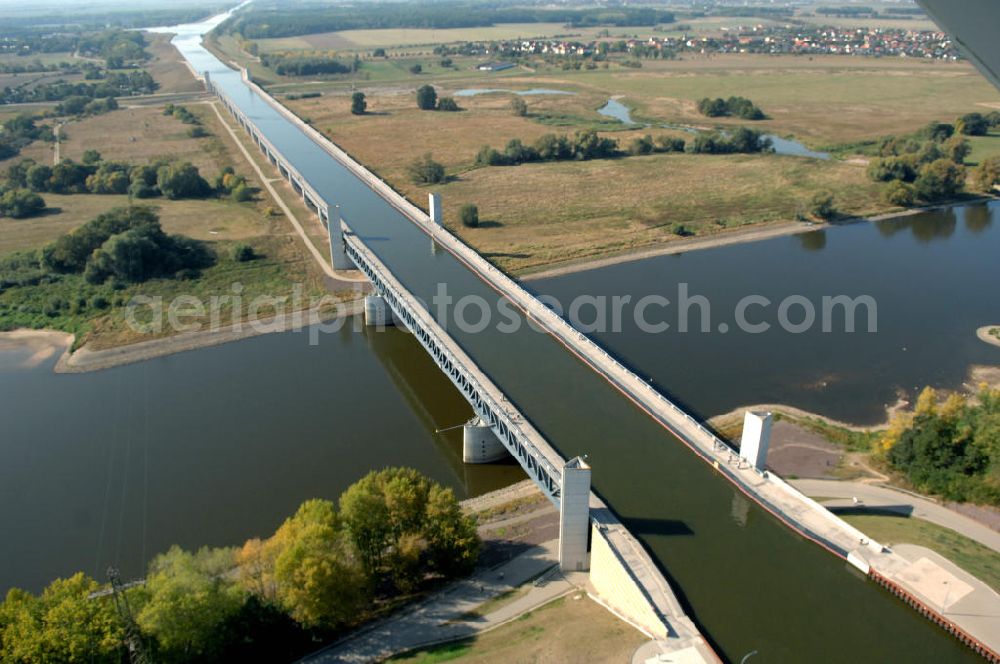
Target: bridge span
(621, 570)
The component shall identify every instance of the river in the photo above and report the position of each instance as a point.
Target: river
(750, 583)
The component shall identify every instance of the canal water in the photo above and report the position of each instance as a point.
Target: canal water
(750, 583)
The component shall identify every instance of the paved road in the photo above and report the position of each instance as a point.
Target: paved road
(874, 496)
(447, 615)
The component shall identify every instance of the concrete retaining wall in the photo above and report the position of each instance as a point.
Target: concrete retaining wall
(616, 587)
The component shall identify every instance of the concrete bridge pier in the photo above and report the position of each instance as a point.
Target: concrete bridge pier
(480, 444)
(574, 516)
(338, 247)
(378, 313)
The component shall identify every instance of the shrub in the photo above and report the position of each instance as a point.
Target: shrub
(518, 107)
(669, 144)
(987, 174)
(426, 171)
(898, 193)
(197, 131)
(469, 215)
(681, 230)
(972, 124)
(358, 103)
(939, 179)
(426, 98)
(821, 206)
(242, 253)
(641, 145)
(416, 69)
(447, 104)
(21, 203)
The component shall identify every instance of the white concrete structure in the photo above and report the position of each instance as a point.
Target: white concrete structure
(574, 516)
(338, 252)
(756, 438)
(434, 205)
(480, 444)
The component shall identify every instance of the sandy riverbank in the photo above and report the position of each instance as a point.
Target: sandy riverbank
(984, 334)
(754, 233)
(46, 343)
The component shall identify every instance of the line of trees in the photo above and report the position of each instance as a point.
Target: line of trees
(93, 175)
(307, 65)
(950, 446)
(583, 145)
(323, 571)
(267, 20)
(19, 132)
(113, 84)
(739, 107)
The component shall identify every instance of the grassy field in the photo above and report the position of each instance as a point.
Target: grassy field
(96, 313)
(978, 560)
(538, 214)
(567, 630)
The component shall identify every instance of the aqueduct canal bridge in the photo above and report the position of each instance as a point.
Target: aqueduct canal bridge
(739, 548)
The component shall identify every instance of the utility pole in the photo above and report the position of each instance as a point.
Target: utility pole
(133, 637)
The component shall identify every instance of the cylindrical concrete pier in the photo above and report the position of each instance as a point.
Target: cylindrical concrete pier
(480, 444)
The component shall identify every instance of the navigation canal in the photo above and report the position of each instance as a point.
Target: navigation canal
(751, 583)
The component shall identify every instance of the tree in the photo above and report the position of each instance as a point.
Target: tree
(21, 203)
(243, 253)
(665, 143)
(358, 103)
(426, 98)
(898, 193)
(447, 104)
(378, 53)
(177, 181)
(61, 625)
(938, 131)
(821, 205)
(987, 174)
(396, 516)
(425, 170)
(188, 596)
(641, 145)
(319, 580)
(91, 157)
(468, 214)
(972, 124)
(416, 68)
(957, 149)
(939, 179)
(519, 107)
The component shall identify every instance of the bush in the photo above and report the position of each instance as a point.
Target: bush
(197, 131)
(21, 203)
(681, 230)
(468, 214)
(416, 69)
(519, 107)
(669, 144)
(358, 103)
(426, 98)
(898, 193)
(447, 104)
(243, 253)
(641, 145)
(740, 107)
(177, 181)
(821, 206)
(426, 171)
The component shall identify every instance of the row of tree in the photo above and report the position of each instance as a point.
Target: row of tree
(113, 84)
(739, 107)
(285, 64)
(950, 446)
(267, 20)
(583, 145)
(174, 180)
(323, 571)
(427, 100)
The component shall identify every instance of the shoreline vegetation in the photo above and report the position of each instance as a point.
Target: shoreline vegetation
(989, 334)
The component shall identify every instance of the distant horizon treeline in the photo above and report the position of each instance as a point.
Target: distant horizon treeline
(271, 19)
